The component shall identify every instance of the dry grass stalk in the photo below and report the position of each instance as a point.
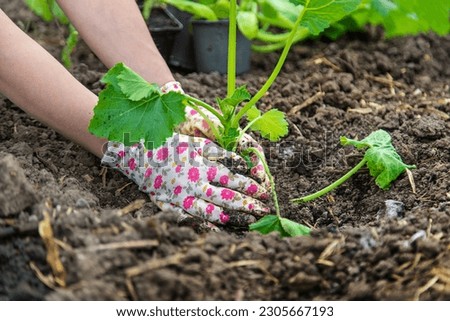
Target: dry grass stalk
(53, 259)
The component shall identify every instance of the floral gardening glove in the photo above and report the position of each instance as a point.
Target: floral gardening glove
(185, 175)
(195, 125)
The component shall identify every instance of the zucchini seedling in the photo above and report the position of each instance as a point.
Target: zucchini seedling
(128, 104)
(384, 163)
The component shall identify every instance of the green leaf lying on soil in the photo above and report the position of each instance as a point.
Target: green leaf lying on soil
(383, 161)
(273, 223)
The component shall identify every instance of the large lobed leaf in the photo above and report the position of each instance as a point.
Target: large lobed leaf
(247, 22)
(414, 16)
(131, 109)
(279, 13)
(320, 14)
(383, 161)
(402, 17)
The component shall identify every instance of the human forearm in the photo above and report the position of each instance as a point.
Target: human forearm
(116, 32)
(42, 87)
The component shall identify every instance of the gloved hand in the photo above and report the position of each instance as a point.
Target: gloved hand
(186, 175)
(195, 125)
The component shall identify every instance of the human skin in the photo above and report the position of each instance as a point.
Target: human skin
(41, 86)
(36, 82)
(116, 32)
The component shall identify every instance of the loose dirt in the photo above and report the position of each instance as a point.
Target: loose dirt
(356, 251)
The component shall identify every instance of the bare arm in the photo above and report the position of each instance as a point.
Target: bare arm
(116, 32)
(41, 86)
(36, 82)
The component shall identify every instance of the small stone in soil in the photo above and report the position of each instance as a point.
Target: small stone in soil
(367, 241)
(394, 209)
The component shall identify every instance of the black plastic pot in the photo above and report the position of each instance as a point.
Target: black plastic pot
(163, 27)
(211, 47)
(183, 53)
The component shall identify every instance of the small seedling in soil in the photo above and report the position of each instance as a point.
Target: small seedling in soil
(383, 161)
(129, 104)
(49, 10)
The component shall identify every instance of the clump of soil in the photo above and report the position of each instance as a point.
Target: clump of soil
(358, 249)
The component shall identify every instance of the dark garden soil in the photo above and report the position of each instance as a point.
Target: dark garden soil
(358, 250)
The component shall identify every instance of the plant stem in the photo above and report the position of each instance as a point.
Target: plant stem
(271, 37)
(71, 43)
(243, 131)
(211, 109)
(275, 71)
(147, 8)
(231, 67)
(272, 181)
(332, 186)
(280, 21)
(273, 45)
(213, 127)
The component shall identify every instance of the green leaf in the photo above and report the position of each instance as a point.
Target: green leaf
(320, 14)
(412, 17)
(228, 105)
(118, 118)
(385, 165)
(285, 227)
(405, 17)
(221, 8)
(227, 110)
(279, 13)
(375, 139)
(248, 24)
(47, 10)
(131, 84)
(229, 138)
(268, 224)
(284, 8)
(41, 8)
(383, 161)
(239, 95)
(272, 124)
(58, 13)
(71, 43)
(194, 8)
(253, 113)
(384, 7)
(294, 228)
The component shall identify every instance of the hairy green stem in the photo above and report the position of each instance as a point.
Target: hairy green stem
(231, 67)
(275, 72)
(71, 43)
(147, 9)
(272, 181)
(213, 127)
(332, 186)
(280, 21)
(211, 109)
(243, 131)
(267, 36)
(273, 46)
